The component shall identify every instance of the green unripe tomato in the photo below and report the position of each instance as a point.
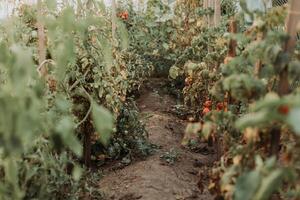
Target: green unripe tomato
(34, 34)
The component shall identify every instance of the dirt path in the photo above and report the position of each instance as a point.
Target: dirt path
(154, 178)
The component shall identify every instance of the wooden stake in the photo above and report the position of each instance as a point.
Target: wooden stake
(292, 21)
(232, 43)
(258, 64)
(217, 13)
(113, 19)
(205, 6)
(230, 55)
(211, 17)
(41, 41)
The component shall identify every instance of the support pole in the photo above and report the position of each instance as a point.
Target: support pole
(41, 41)
(113, 20)
(211, 4)
(205, 6)
(292, 22)
(217, 13)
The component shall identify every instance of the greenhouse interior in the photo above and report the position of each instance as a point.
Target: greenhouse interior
(149, 100)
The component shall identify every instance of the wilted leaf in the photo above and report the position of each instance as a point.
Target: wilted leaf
(174, 72)
(207, 129)
(191, 132)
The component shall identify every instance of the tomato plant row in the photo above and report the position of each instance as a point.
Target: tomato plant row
(241, 82)
(53, 122)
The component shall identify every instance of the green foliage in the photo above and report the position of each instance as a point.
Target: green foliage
(92, 77)
(253, 91)
(242, 90)
(149, 33)
(198, 51)
(27, 117)
(104, 123)
(261, 182)
(88, 79)
(170, 156)
(131, 137)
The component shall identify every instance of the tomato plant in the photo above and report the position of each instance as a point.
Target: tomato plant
(69, 74)
(84, 93)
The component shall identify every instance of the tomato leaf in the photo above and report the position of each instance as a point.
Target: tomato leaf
(294, 120)
(104, 123)
(269, 184)
(247, 185)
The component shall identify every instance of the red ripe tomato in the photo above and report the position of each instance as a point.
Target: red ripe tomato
(284, 109)
(126, 15)
(123, 15)
(220, 106)
(205, 111)
(208, 104)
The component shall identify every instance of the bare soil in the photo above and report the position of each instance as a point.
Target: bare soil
(154, 178)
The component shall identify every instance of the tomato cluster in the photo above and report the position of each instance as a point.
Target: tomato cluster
(207, 107)
(123, 15)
